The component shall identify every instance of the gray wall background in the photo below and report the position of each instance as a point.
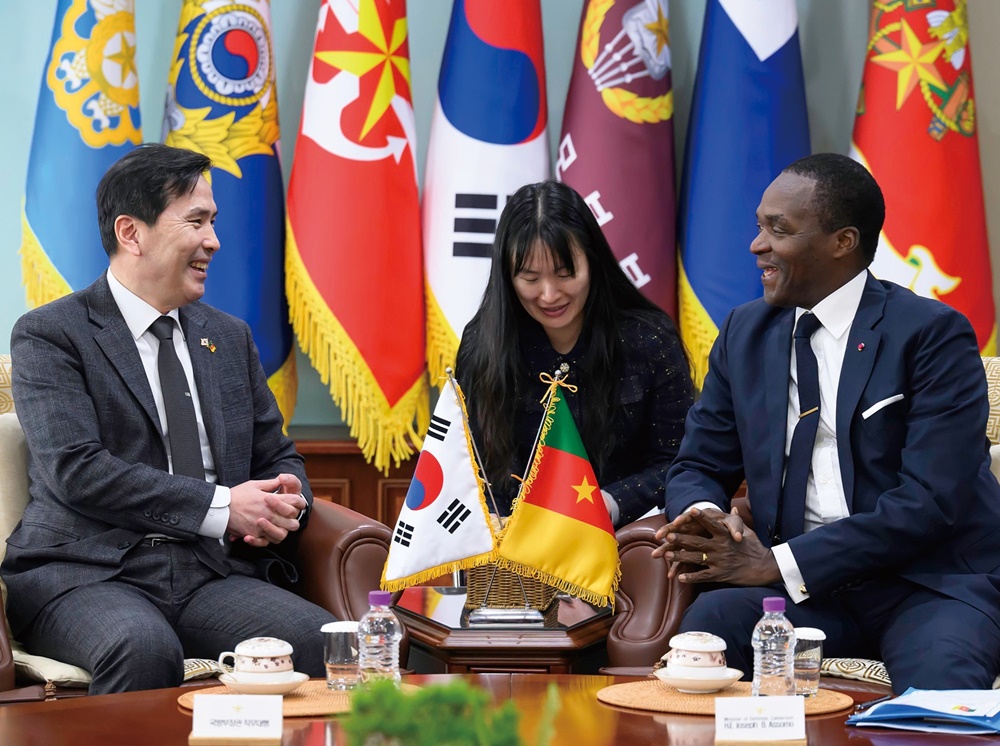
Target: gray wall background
(833, 35)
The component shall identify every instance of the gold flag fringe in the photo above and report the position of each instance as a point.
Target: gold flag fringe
(990, 350)
(434, 572)
(442, 342)
(698, 331)
(284, 384)
(591, 597)
(42, 281)
(385, 433)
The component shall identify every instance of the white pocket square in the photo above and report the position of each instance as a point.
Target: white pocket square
(880, 405)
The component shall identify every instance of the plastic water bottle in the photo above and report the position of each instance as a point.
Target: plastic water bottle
(773, 651)
(379, 633)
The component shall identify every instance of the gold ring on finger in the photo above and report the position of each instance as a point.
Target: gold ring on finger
(704, 558)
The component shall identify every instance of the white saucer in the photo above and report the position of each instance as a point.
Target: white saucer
(265, 687)
(726, 678)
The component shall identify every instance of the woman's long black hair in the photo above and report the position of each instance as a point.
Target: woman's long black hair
(489, 365)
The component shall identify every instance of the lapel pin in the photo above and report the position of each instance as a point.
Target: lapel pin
(861, 346)
(206, 342)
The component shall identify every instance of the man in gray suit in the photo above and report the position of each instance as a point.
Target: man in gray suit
(122, 564)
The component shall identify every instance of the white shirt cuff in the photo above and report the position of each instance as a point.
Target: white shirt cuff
(217, 518)
(703, 505)
(795, 584)
(609, 502)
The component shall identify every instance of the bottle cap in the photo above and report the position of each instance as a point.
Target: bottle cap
(382, 598)
(774, 603)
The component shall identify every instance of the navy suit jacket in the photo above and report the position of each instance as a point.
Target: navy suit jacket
(923, 503)
(97, 459)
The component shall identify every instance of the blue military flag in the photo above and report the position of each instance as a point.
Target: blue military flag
(748, 121)
(87, 118)
(222, 101)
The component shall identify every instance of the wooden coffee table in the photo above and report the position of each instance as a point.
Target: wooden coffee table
(154, 719)
(443, 641)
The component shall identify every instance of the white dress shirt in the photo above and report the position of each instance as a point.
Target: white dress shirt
(138, 316)
(825, 500)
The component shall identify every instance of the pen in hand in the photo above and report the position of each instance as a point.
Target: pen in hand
(870, 703)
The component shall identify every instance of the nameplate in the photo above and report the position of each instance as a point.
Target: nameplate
(236, 718)
(759, 719)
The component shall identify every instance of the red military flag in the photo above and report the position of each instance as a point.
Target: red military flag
(559, 529)
(354, 265)
(617, 145)
(916, 132)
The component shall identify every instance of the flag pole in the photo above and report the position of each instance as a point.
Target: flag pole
(558, 376)
(475, 448)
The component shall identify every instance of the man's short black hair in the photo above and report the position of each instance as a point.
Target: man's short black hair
(845, 195)
(142, 183)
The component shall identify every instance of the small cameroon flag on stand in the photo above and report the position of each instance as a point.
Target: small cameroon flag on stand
(559, 531)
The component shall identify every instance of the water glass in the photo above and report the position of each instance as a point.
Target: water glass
(808, 659)
(340, 653)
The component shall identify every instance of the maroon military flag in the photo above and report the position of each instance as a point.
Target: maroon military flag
(617, 145)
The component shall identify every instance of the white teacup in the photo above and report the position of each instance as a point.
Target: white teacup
(697, 655)
(261, 660)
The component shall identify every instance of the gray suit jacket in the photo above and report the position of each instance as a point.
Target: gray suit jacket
(97, 459)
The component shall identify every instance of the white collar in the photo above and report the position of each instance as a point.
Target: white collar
(837, 310)
(138, 313)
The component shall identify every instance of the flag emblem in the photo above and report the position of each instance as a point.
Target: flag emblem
(428, 478)
(231, 56)
(404, 533)
(454, 516)
(93, 75)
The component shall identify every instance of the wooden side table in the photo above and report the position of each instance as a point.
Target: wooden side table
(442, 641)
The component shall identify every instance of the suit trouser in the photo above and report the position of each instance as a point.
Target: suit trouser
(134, 630)
(925, 639)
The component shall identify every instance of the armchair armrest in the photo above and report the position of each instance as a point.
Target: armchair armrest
(649, 606)
(340, 558)
(341, 554)
(6, 658)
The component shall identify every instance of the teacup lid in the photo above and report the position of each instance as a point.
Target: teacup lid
(339, 627)
(704, 642)
(264, 646)
(809, 633)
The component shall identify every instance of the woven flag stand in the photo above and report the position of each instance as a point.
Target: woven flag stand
(535, 597)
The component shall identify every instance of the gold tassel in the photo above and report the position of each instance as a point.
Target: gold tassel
(42, 281)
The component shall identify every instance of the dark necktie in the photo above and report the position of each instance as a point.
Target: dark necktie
(792, 506)
(182, 426)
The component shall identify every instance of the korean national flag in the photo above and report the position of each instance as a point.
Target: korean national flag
(444, 524)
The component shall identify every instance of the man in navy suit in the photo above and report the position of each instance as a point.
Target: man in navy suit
(124, 564)
(893, 545)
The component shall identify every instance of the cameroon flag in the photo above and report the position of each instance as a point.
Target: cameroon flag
(559, 531)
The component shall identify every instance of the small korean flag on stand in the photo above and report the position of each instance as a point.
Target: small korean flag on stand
(444, 524)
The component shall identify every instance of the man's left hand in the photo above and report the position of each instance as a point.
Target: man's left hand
(743, 561)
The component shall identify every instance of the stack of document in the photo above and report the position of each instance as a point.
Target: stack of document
(965, 711)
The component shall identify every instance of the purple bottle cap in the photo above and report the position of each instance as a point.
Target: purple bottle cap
(382, 598)
(774, 603)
